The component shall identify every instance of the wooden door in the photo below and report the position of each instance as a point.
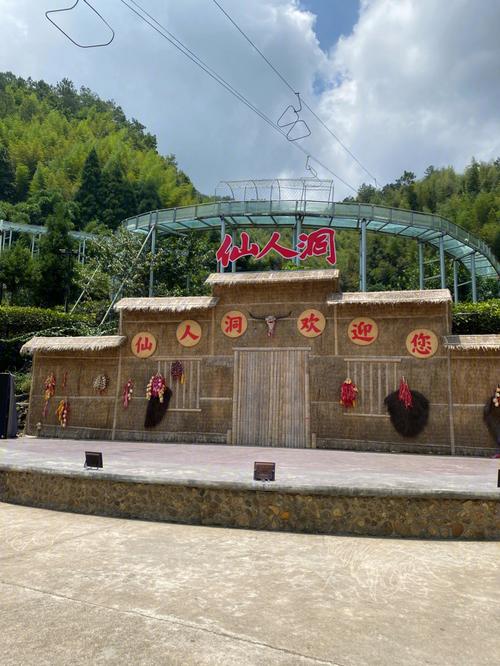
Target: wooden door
(271, 398)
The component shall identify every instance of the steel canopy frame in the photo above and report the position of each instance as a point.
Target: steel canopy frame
(445, 236)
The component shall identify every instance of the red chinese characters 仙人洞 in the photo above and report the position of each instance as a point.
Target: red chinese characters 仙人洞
(318, 243)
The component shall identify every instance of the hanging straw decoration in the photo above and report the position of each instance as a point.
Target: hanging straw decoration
(177, 372)
(348, 394)
(101, 384)
(128, 390)
(158, 395)
(62, 413)
(65, 379)
(408, 410)
(49, 390)
(492, 418)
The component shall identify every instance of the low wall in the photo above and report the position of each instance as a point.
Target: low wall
(256, 506)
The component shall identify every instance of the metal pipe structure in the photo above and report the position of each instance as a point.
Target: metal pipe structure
(421, 276)
(442, 267)
(473, 277)
(153, 252)
(220, 267)
(455, 281)
(131, 267)
(362, 256)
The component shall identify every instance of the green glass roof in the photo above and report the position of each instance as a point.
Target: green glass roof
(458, 243)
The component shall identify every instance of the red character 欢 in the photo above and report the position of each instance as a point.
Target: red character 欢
(308, 324)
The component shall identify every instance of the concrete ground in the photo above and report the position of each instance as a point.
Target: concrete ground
(78, 589)
(233, 465)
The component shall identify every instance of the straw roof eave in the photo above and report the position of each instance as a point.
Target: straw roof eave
(417, 297)
(271, 277)
(79, 343)
(472, 342)
(166, 304)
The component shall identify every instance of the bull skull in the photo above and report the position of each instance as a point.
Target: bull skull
(271, 322)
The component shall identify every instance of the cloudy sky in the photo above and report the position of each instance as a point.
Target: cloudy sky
(404, 83)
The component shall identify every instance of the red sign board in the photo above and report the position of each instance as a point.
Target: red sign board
(318, 243)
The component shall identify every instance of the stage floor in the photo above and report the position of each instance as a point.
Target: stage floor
(297, 470)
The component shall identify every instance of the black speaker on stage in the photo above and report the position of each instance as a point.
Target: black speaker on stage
(8, 414)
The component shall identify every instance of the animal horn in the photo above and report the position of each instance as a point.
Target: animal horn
(254, 317)
(283, 316)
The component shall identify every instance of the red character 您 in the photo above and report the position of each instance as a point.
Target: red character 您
(318, 243)
(421, 344)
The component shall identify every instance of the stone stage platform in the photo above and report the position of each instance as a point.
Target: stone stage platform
(330, 492)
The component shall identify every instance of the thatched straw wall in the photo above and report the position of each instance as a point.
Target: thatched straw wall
(457, 380)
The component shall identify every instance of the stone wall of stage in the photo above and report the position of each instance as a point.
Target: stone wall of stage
(411, 515)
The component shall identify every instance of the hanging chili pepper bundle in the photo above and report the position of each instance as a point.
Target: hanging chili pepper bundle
(158, 395)
(491, 416)
(128, 390)
(101, 383)
(496, 397)
(50, 389)
(156, 387)
(408, 410)
(62, 413)
(348, 394)
(177, 372)
(405, 394)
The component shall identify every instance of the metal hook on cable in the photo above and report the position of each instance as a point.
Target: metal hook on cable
(290, 118)
(68, 9)
(309, 168)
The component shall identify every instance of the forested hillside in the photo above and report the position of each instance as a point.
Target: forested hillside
(62, 145)
(69, 160)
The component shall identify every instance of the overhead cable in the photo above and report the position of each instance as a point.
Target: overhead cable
(288, 84)
(139, 11)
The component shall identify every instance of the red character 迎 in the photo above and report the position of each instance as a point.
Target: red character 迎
(361, 331)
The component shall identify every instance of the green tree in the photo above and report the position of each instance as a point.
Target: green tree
(89, 193)
(16, 271)
(54, 269)
(23, 179)
(118, 196)
(7, 176)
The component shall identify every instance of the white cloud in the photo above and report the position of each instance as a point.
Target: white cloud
(417, 82)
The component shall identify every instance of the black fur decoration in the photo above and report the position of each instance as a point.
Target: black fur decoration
(492, 420)
(408, 422)
(156, 410)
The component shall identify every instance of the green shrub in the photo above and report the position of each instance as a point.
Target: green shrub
(476, 318)
(19, 324)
